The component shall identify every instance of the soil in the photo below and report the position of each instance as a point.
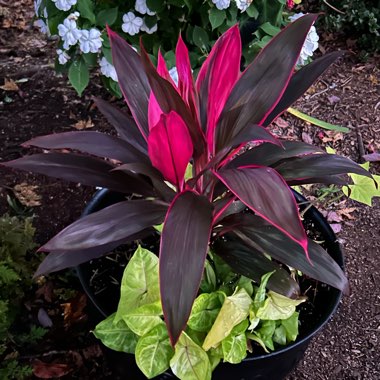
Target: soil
(348, 94)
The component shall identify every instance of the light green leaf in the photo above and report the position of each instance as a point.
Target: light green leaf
(204, 312)
(279, 335)
(276, 306)
(216, 17)
(234, 310)
(159, 227)
(79, 75)
(259, 298)
(106, 17)
(364, 188)
(252, 11)
(245, 283)
(208, 283)
(235, 345)
(117, 336)
(330, 150)
(265, 333)
(258, 340)
(144, 318)
(215, 355)
(153, 352)
(189, 172)
(190, 362)
(139, 285)
(200, 38)
(291, 327)
(317, 122)
(269, 29)
(86, 10)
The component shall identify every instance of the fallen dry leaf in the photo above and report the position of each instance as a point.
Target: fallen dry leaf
(307, 138)
(44, 370)
(280, 122)
(330, 136)
(73, 311)
(9, 85)
(84, 124)
(347, 212)
(27, 195)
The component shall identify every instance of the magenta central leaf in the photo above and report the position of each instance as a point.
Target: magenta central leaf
(170, 147)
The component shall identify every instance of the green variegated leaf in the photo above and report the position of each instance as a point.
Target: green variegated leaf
(205, 310)
(277, 307)
(234, 310)
(245, 283)
(190, 362)
(215, 355)
(153, 352)
(116, 335)
(139, 285)
(235, 345)
(144, 318)
(279, 335)
(291, 327)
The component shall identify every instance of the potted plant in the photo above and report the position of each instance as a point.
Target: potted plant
(199, 159)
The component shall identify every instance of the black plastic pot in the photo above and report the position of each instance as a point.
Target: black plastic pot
(273, 366)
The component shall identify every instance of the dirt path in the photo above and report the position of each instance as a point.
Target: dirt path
(347, 95)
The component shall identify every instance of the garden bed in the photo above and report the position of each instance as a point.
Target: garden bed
(348, 94)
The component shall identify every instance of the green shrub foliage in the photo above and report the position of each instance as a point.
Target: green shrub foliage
(360, 19)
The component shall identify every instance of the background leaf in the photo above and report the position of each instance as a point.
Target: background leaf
(79, 75)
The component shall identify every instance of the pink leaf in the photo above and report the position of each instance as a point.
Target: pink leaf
(154, 109)
(170, 147)
(218, 74)
(185, 77)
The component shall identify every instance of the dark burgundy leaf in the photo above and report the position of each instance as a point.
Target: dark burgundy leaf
(155, 176)
(263, 83)
(94, 143)
(183, 249)
(169, 100)
(328, 179)
(132, 80)
(44, 370)
(372, 157)
(125, 126)
(265, 192)
(269, 154)
(59, 260)
(301, 81)
(318, 165)
(86, 170)
(109, 225)
(251, 263)
(254, 231)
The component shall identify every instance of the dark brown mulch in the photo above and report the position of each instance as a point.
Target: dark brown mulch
(348, 94)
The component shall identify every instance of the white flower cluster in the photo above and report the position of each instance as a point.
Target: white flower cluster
(133, 24)
(311, 42)
(224, 4)
(64, 5)
(107, 69)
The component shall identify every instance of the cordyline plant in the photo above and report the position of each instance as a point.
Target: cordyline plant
(218, 125)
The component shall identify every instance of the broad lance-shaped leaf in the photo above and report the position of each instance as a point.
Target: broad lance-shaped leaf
(301, 81)
(139, 285)
(318, 165)
(235, 309)
(154, 175)
(59, 260)
(124, 125)
(183, 249)
(269, 154)
(257, 187)
(254, 231)
(94, 143)
(252, 263)
(190, 362)
(110, 224)
(132, 80)
(153, 352)
(185, 77)
(216, 78)
(263, 83)
(169, 100)
(154, 109)
(86, 170)
(170, 148)
(221, 78)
